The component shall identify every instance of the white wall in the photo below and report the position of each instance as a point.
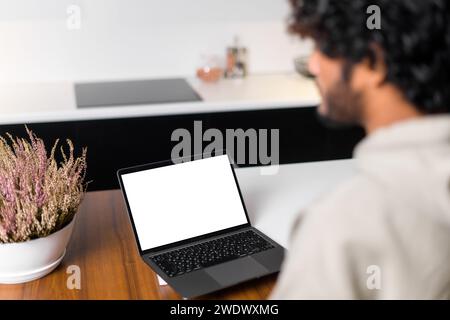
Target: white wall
(138, 38)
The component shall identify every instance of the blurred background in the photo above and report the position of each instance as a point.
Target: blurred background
(81, 40)
(114, 74)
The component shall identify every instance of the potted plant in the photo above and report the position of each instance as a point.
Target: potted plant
(39, 198)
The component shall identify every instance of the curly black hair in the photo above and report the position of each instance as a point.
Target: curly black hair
(414, 38)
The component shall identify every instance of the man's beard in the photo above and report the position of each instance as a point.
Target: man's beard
(344, 107)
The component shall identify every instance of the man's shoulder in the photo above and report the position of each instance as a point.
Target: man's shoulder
(357, 195)
(355, 209)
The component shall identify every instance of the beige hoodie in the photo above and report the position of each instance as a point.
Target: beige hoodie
(385, 234)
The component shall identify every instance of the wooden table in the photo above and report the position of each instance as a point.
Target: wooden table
(104, 249)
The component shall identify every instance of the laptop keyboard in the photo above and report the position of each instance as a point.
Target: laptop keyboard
(206, 254)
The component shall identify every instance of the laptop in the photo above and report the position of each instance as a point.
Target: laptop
(192, 228)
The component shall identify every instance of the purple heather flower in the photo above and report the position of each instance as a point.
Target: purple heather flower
(37, 196)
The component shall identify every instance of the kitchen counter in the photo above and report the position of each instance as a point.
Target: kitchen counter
(123, 136)
(55, 102)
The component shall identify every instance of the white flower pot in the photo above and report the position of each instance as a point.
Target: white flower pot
(26, 261)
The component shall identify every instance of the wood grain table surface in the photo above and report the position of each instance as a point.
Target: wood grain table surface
(103, 248)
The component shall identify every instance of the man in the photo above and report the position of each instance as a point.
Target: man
(386, 233)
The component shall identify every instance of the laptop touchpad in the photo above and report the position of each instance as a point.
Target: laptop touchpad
(236, 271)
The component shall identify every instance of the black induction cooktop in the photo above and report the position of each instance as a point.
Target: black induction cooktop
(135, 92)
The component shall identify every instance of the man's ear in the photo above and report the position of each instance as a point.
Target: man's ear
(371, 72)
(378, 65)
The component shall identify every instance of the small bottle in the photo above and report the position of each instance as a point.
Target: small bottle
(241, 63)
(236, 61)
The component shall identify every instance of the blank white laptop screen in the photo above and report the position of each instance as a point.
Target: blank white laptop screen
(178, 202)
